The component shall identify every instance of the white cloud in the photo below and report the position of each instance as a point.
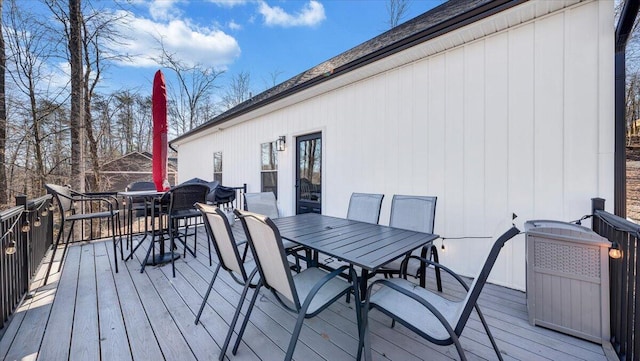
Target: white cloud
(234, 26)
(311, 14)
(192, 44)
(229, 3)
(163, 10)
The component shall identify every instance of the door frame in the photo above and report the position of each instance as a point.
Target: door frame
(296, 187)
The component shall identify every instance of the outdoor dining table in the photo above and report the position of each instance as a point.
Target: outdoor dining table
(154, 198)
(365, 245)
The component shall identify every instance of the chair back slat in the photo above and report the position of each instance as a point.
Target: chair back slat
(262, 203)
(365, 207)
(266, 244)
(63, 195)
(479, 282)
(415, 213)
(224, 243)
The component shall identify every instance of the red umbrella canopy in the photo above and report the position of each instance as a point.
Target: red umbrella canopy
(160, 141)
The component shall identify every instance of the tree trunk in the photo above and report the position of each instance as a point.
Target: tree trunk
(3, 117)
(77, 108)
(39, 179)
(89, 86)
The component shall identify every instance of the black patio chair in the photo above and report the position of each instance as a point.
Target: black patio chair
(75, 206)
(365, 207)
(229, 259)
(182, 214)
(415, 213)
(431, 316)
(306, 293)
(265, 203)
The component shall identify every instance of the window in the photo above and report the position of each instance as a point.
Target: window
(269, 169)
(217, 167)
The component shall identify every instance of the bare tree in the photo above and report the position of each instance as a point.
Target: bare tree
(77, 97)
(98, 36)
(396, 10)
(238, 90)
(632, 96)
(195, 84)
(99, 33)
(29, 52)
(3, 116)
(273, 78)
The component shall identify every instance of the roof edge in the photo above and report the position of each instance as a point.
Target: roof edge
(454, 23)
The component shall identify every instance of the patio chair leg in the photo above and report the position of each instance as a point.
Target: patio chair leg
(171, 246)
(434, 254)
(206, 295)
(209, 246)
(246, 319)
(486, 328)
(184, 242)
(456, 342)
(115, 251)
(119, 228)
(195, 240)
(234, 320)
(128, 225)
(295, 334)
(115, 224)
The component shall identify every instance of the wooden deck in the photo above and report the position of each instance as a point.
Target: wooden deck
(88, 312)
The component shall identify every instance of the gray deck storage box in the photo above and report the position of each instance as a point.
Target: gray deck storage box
(568, 279)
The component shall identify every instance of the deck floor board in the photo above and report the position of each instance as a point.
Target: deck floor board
(89, 311)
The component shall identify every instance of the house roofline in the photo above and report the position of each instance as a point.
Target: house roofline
(480, 12)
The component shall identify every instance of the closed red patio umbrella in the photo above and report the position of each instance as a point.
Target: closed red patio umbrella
(160, 141)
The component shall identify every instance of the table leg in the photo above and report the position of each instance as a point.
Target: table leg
(163, 257)
(364, 277)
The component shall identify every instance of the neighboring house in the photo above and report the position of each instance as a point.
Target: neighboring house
(132, 167)
(495, 107)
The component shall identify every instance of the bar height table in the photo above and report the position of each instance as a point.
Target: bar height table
(154, 198)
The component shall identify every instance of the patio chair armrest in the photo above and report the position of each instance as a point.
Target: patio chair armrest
(444, 268)
(94, 195)
(426, 247)
(321, 283)
(96, 199)
(414, 297)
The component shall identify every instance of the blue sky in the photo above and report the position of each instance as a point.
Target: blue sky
(255, 36)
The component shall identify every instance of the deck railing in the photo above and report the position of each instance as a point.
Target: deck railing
(624, 281)
(26, 232)
(238, 203)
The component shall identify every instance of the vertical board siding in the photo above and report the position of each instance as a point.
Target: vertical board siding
(436, 122)
(549, 128)
(581, 116)
(605, 103)
(474, 137)
(453, 146)
(496, 181)
(518, 121)
(421, 132)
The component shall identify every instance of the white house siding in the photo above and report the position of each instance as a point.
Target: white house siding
(492, 119)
